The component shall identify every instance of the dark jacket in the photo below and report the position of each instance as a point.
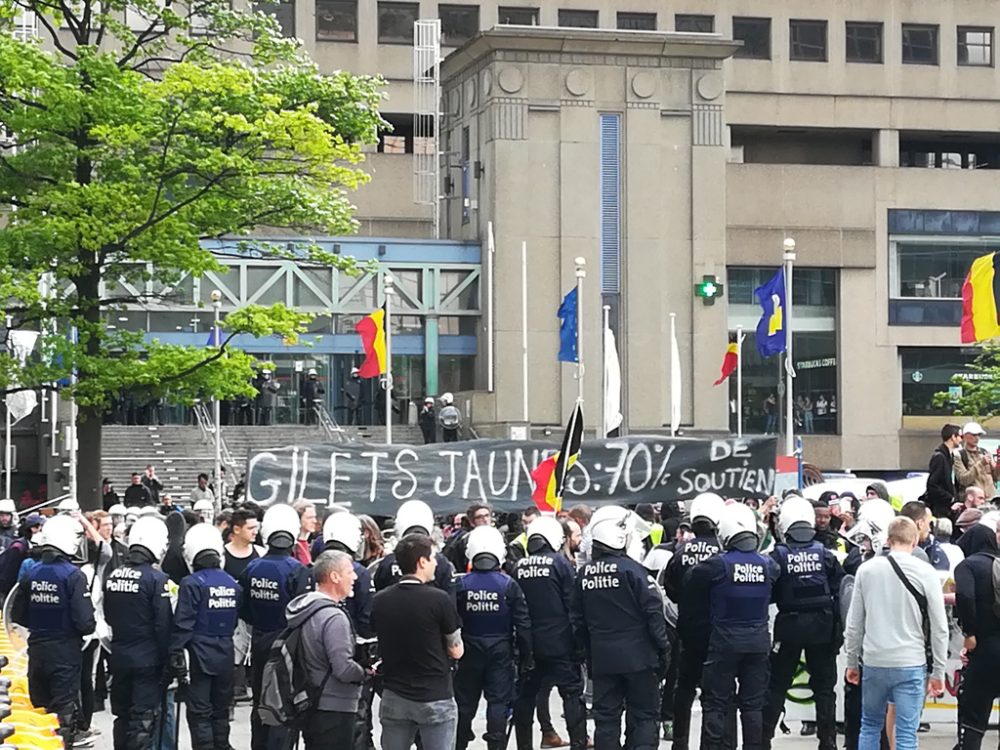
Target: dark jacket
(974, 596)
(940, 482)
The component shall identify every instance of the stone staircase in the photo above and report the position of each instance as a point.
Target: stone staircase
(181, 452)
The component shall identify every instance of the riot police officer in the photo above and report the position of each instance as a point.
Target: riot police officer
(414, 516)
(693, 623)
(547, 579)
(53, 602)
(736, 588)
(807, 594)
(494, 619)
(8, 523)
(625, 632)
(204, 622)
(268, 584)
(137, 608)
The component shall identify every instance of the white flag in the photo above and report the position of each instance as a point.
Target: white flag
(612, 384)
(21, 403)
(675, 377)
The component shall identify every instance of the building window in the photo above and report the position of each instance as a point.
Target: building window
(395, 22)
(337, 20)
(807, 40)
(928, 371)
(975, 46)
(582, 19)
(400, 139)
(518, 16)
(694, 23)
(934, 270)
(637, 21)
(755, 33)
(459, 23)
(920, 44)
(284, 14)
(864, 42)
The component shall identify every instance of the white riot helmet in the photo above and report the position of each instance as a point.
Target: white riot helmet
(990, 520)
(795, 510)
(68, 505)
(280, 527)
(874, 518)
(201, 538)
(149, 510)
(485, 541)
(63, 533)
(548, 529)
(117, 510)
(414, 514)
(344, 528)
(611, 526)
(7, 506)
(709, 507)
(205, 508)
(132, 513)
(150, 533)
(737, 521)
(447, 399)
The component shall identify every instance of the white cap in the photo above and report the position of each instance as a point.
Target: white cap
(312, 371)
(7, 506)
(117, 510)
(973, 428)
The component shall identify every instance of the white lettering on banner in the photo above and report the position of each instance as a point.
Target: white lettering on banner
(749, 481)
(374, 456)
(295, 471)
(482, 601)
(748, 573)
(438, 489)
(472, 474)
(274, 484)
(520, 468)
(723, 449)
(305, 481)
(490, 473)
(334, 476)
(621, 471)
(398, 484)
(804, 562)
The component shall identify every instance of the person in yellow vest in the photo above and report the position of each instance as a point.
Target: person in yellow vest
(518, 546)
(647, 513)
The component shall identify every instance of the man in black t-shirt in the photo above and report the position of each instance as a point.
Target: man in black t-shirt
(419, 633)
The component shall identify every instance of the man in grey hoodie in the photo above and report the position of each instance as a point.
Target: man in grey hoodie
(328, 643)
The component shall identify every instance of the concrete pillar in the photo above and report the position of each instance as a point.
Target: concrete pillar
(885, 148)
(431, 329)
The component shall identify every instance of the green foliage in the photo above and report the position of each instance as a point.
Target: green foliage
(981, 392)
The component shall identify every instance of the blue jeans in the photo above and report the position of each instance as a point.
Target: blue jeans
(436, 721)
(903, 686)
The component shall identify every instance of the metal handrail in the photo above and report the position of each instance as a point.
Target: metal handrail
(208, 428)
(334, 432)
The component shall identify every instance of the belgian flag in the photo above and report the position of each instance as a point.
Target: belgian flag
(729, 362)
(372, 331)
(550, 475)
(980, 294)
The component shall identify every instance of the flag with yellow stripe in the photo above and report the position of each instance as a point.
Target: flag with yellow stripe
(980, 293)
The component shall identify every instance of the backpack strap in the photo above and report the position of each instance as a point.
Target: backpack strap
(922, 604)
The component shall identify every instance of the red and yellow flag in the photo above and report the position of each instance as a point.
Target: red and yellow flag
(372, 331)
(729, 362)
(979, 300)
(550, 475)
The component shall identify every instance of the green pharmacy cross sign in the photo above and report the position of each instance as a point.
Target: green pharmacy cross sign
(708, 289)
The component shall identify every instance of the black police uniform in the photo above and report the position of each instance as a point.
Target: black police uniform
(137, 608)
(207, 609)
(53, 602)
(974, 602)
(547, 580)
(693, 627)
(494, 616)
(268, 584)
(807, 594)
(736, 587)
(625, 633)
(387, 573)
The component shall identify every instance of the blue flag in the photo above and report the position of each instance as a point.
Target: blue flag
(567, 328)
(211, 337)
(771, 330)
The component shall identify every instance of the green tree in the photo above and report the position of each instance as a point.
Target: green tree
(135, 130)
(980, 387)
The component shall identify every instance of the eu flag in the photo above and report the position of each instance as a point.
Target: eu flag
(771, 329)
(567, 328)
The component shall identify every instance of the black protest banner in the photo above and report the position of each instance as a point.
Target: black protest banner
(375, 479)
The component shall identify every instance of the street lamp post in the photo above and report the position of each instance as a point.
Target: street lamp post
(789, 257)
(216, 407)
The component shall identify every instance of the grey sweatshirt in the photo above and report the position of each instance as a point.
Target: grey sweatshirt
(884, 621)
(328, 641)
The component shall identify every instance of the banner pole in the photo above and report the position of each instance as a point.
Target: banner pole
(387, 323)
(581, 274)
(739, 381)
(524, 332)
(604, 372)
(789, 258)
(8, 456)
(491, 266)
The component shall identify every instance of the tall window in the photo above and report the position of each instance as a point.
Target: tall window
(755, 33)
(864, 42)
(694, 23)
(283, 12)
(395, 22)
(337, 20)
(637, 21)
(583, 19)
(920, 44)
(459, 23)
(807, 40)
(932, 269)
(975, 46)
(518, 16)
(928, 371)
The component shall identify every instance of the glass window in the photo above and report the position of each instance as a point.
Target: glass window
(337, 20)
(456, 373)
(694, 23)
(864, 42)
(920, 44)
(975, 46)
(928, 371)
(283, 11)
(395, 22)
(935, 270)
(807, 40)
(518, 16)
(755, 33)
(583, 19)
(637, 21)
(459, 23)
(814, 287)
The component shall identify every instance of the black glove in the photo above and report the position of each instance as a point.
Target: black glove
(525, 665)
(177, 668)
(662, 663)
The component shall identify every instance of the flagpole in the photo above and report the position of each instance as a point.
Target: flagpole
(8, 448)
(675, 395)
(524, 332)
(789, 258)
(581, 274)
(739, 381)
(491, 264)
(217, 408)
(73, 445)
(389, 291)
(604, 372)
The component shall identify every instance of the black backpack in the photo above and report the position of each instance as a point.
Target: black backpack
(286, 697)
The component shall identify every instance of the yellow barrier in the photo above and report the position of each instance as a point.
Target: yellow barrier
(33, 727)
